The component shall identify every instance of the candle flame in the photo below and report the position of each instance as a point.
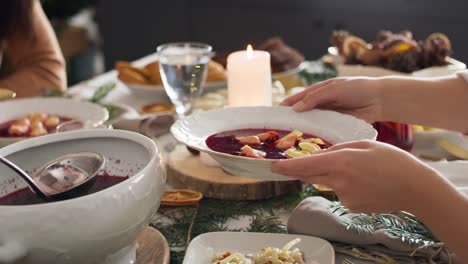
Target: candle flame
(249, 51)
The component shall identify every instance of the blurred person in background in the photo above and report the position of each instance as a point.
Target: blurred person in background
(30, 57)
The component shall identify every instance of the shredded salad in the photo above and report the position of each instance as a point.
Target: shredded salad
(270, 255)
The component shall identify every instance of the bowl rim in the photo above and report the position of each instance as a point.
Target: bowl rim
(94, 123)
(145, 142)
(452, 65)
(248, 159)
(160, 87)
(290, 72)
(144, 87)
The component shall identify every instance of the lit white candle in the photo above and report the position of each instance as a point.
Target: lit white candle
(249, 78)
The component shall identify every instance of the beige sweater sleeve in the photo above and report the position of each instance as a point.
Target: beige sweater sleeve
(37, 61)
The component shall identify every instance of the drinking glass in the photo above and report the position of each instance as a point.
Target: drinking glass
(183, 72)
(397, 134)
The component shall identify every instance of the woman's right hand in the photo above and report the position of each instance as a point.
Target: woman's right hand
(369, 177)
(360, 97)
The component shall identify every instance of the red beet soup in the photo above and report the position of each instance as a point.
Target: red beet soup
(270, 143)
(25, 196)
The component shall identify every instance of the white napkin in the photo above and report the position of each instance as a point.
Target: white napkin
(314, 217)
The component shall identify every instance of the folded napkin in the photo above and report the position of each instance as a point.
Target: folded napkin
(315, 217)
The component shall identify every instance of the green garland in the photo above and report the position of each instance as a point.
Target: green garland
(180, 225)
(100, 93)
(317, 71)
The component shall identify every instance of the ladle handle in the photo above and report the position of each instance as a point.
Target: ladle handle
(152, 125)
(23, 175)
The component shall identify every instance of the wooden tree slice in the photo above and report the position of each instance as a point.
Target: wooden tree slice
(152, 247)
(186, 171)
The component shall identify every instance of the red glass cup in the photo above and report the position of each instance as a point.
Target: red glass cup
(397, 134)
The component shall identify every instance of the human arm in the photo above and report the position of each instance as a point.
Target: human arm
(36, 58)
(438, 102)
(364, 177)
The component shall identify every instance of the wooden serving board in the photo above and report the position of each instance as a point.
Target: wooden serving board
(152, 247)
(186, 171)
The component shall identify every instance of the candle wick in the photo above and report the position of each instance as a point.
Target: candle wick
(249, 51)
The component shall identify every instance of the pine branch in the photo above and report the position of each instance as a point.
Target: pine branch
(180, 225)
(102, 91)
(266, 224)
(190, 229)
(177, 257)
(173, 224)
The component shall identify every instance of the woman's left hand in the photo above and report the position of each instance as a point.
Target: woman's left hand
(367, 176)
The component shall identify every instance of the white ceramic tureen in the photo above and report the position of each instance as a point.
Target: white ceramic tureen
(96, 228)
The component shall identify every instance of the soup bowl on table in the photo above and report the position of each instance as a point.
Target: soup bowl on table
(99, 227)
(41, 111)
(209, 131)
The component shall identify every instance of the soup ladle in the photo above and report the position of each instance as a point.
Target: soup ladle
(64, 178)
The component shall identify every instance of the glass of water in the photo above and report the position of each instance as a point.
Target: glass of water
(183, 72)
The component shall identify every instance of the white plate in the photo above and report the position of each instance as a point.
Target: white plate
(346, 70)
(453, 171)
(289, 72)
(202, 248)
(88, 113)
(425, 145)
(329, 125)
(156, 91)
(211, 86)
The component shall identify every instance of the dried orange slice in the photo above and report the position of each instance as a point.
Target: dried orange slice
(400, 48)
(323, 188)
(156, 108)
(181, 197)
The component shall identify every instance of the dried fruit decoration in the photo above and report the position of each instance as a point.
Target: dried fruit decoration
(181, 197)
(395, 51)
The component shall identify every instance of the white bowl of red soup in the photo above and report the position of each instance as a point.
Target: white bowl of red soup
(247, 140)
(33, 117)
(99, 227)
